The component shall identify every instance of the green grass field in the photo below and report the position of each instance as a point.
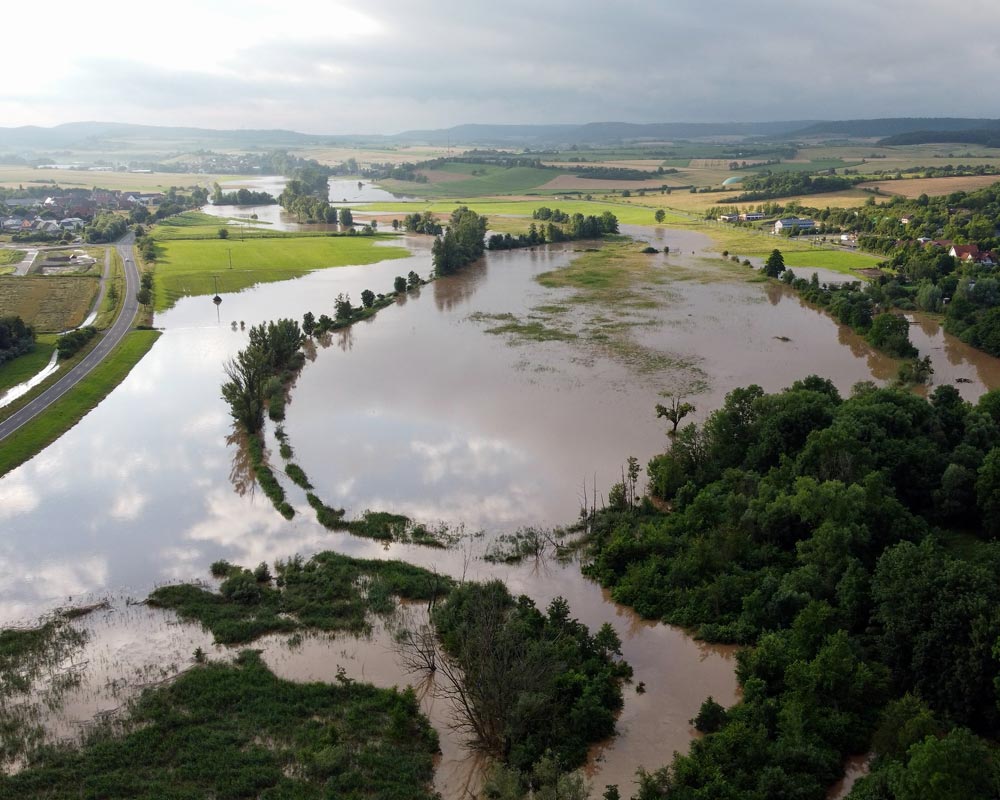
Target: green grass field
(186, 267)
(494, 181)
(62, 415)
(27, 366)
(196, 225)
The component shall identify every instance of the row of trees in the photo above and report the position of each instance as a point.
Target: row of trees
(579, 227)
(862, 307)
(851, 545)
(106, 227)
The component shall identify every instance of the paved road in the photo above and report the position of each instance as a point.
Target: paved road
(109, 340)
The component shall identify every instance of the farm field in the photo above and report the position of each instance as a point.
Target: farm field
(48, 303)
(12, 175)
(933, 187)
(186, 267)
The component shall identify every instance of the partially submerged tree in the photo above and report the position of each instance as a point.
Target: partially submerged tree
(675, 412)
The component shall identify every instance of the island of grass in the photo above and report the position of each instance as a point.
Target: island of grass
(188, 266)
(237, 731)
(329, 592)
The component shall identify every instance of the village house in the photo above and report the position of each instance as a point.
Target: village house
(751, 216)
(729, 218)
(971, 254)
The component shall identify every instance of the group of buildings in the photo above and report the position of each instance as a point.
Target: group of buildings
(69, 210)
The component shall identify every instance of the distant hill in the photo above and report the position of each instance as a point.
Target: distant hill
(111, 136)
(986, 138)
(594, 133)
(88, 135)
(893, 126)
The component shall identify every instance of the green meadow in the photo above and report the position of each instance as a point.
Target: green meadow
(186, 267)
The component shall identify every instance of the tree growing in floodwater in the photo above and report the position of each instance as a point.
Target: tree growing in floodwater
(244, 391)
(775, 264)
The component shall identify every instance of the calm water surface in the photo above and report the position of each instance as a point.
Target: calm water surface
(418, 411)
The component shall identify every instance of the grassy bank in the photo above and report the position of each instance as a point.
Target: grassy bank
(186, 267)
(114, 295)
(62, 415)
(238, 731)
(25, 367)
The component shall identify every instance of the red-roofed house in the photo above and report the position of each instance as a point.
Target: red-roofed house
(971, 254)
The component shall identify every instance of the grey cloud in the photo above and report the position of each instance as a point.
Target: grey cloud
(575, 62)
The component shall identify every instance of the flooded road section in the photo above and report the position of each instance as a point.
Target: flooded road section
(418, 411)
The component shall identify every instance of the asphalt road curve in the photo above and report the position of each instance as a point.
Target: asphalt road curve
(108, 342)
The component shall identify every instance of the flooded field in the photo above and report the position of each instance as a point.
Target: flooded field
(420, 411)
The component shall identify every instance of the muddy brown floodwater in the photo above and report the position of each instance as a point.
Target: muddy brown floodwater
(422, 412)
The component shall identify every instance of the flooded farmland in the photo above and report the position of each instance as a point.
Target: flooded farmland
(422, 411)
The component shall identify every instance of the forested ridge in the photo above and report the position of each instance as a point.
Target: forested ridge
(850, 544)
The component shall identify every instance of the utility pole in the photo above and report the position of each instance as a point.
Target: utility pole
(231, 258)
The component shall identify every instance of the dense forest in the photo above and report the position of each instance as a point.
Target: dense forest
(850, 544)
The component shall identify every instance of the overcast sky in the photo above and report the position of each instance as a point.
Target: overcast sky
(326, 66)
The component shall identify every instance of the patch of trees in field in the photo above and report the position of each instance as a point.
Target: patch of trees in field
(851, 545)
(106, 227)
(782, 184)
(577, 226)
(16, 338)
(462, 242)
(241, 197)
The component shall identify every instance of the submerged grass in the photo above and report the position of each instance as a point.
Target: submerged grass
(329, 592)
(610, 293)
(32, 680)
(238, 731)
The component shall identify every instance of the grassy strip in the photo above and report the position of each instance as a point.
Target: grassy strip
(265, 477)
(113, 299)
(188, 268)
(382, 526)
(25, 367)
(10, 257)
(62, 415)
(237, 731)
(329, 592)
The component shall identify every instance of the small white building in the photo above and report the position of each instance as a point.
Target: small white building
(751, 216)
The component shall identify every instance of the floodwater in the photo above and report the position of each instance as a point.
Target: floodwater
(274, 217)
(418, 411)
(22, 389)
